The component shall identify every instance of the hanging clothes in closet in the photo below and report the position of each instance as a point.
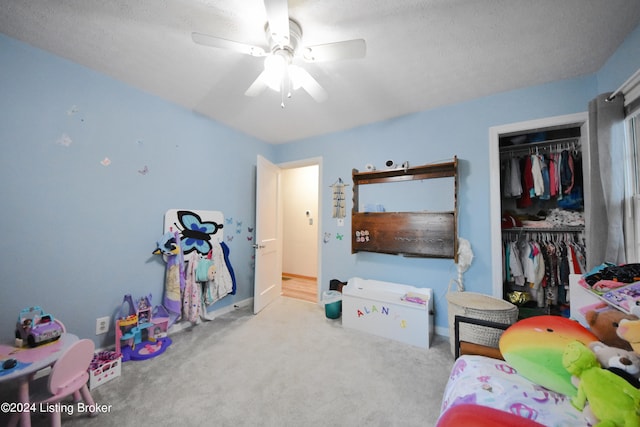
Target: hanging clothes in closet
(537, 265)
(554, 173)
(543, 222)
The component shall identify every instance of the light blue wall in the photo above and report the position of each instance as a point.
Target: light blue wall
(621, 65)
(421, 138)
(78, 235)
(428, 136)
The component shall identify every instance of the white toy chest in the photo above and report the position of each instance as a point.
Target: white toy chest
(379, 308)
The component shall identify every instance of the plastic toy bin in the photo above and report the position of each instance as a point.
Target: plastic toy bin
(105, 366)
(380, 308)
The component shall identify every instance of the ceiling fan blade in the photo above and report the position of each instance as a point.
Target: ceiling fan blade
(278, 18)
(348, 49)
(207, 40)
(308, 83)
(258, 86)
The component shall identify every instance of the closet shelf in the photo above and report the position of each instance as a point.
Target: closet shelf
(434, 170)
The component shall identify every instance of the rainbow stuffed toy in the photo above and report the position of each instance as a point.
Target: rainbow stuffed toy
(534, 347)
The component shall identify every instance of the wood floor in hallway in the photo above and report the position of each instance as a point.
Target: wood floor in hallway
(300, 287)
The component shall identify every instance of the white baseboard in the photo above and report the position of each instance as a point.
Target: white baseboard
(442, 331)
(177, 327)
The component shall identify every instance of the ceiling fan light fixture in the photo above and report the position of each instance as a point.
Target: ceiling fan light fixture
(296, 76)
(275, 67)
(284, 36)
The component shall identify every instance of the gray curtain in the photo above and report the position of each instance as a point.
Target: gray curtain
(605, 232)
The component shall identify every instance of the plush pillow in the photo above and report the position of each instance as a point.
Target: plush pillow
(534, 347)
(469, 415)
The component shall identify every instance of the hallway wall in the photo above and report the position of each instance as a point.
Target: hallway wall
(300, 236)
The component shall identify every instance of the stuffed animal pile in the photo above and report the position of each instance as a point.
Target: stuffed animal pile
(629, 330)
(624, 363)
(607, 372)
(612, 400)
(598, 367)
(602, 380)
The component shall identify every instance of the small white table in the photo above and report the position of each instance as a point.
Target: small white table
(31, 360)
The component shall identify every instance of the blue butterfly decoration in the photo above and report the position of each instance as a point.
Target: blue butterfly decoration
(196, 233)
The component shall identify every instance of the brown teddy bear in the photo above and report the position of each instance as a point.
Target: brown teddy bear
(604, 325)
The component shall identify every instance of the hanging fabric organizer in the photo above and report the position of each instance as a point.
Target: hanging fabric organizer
(339, 199)
(207, 275)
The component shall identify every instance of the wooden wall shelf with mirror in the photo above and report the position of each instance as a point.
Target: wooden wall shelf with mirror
(424, 233)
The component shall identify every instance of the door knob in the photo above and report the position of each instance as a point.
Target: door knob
(257, 246)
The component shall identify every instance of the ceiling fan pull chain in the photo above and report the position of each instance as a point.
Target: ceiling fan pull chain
(281, 95)
(289, 83)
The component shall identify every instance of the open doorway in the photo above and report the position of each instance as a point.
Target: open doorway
(300, 241)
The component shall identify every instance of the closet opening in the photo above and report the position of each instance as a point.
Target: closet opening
(538, 216)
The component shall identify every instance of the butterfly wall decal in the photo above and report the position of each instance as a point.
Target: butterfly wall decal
(195, 233)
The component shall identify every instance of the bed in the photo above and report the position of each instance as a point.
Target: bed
(484, 390)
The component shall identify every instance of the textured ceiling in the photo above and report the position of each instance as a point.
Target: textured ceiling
(421, 54)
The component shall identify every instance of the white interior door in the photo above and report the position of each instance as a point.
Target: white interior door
(268, 245)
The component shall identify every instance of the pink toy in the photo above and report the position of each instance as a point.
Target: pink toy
(68, 377)
(141, 333)
(35, 327)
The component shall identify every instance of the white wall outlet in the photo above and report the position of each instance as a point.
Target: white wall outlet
(102, 325)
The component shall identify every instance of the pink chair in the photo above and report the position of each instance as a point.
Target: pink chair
(68, 377)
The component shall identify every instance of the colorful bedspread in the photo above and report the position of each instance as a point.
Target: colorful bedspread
(493, 383)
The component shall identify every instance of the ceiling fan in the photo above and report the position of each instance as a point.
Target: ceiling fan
(284, 36)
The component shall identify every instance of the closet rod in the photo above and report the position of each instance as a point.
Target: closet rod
(538, 144)
(529, 230)
(566, 229)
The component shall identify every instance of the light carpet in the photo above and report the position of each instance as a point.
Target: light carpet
(287, 366)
